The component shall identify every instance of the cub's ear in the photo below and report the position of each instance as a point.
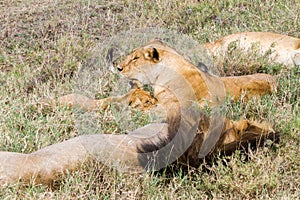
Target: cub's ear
(151, 54)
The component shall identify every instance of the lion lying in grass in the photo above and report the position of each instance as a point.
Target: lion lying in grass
(281, 49)
(187, 134)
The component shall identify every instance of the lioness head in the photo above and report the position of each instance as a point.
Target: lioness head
(163, 68)
(142, 56)
(142, 65)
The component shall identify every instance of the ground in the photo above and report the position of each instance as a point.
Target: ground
(43, 44)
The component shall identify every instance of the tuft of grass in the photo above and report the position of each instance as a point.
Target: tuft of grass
(43, 46)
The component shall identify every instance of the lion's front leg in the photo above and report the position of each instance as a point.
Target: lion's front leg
(135, 98)
(74, 100)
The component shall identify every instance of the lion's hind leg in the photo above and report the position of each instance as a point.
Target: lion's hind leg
(49, 163)
(239, 134)
(44, 165)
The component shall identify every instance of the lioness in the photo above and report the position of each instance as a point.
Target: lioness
(186, 134)
(284, 49)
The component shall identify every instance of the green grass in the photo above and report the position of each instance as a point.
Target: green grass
(44, 43)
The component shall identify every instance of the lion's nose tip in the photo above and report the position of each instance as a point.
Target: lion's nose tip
(119, 68)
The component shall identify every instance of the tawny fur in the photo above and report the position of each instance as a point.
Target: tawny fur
(284, 49)
(178, 85)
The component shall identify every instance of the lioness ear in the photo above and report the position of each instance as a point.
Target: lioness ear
(151, 54)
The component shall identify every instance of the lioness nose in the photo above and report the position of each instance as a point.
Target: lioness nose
(119, 68)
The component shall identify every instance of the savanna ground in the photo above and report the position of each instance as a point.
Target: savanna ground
(43, 44)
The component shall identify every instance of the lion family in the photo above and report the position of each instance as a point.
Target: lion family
(185, 135)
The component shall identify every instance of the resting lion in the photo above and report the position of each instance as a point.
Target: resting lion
(187, 134)
(283, 49)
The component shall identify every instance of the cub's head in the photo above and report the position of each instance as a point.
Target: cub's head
(141, 99)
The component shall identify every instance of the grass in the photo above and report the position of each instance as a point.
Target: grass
(44, 43)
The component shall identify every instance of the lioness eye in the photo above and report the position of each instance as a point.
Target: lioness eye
(135, 58)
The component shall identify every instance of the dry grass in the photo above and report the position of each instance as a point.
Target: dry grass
(44, 43)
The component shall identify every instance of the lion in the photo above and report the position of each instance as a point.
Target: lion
(186, 135)
(283, 49)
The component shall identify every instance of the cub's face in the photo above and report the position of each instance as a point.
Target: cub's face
(136, 65)
(141, 99)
